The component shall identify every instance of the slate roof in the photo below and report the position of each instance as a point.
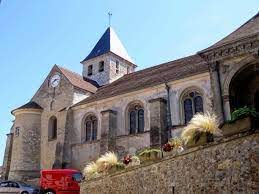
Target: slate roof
(250, 28)
(29, 105)
(149, 77)
(78, 81)
(109, 42)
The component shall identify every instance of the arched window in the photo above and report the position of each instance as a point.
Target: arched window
(136, 119)
(52, 128)
(90, 128)
(192, 104)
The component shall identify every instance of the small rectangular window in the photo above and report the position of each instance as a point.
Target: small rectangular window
(101, 66)
(90, 70)
(17, 131)
(117, 66)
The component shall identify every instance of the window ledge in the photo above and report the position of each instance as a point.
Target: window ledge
(90, 142)
(133, 134)
(52, 139)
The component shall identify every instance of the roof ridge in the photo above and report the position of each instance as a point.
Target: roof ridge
(77, 80)
(29, 105)
(150, 68)
(142, 79)
(175, 63)
(61, 67)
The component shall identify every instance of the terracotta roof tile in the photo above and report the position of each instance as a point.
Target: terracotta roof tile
(78, 81)
(149, 77)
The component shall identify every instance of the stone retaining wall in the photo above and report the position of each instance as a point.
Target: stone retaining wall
(228, 166)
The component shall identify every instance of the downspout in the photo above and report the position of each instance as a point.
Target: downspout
(168, 113)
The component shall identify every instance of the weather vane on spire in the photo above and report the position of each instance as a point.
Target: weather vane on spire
(110, 17)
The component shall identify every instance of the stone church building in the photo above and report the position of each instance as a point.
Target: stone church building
(73, 118)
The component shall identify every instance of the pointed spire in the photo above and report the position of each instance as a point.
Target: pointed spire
(109, 42)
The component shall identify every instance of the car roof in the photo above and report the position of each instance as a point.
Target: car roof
(59, 170)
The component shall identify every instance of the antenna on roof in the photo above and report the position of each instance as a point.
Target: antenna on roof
(110, 17)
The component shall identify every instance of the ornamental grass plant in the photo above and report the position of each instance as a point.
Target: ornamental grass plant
(199, 125)
(176, 142)
(103, 165)
(91, 170)
(106, 161)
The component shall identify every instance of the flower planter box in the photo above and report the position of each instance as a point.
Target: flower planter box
(152, 156)
(173, 152)
(204, 138)
(238, 126)
(168, 154)
(115, 168)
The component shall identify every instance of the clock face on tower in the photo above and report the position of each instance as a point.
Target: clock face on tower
(54, 81)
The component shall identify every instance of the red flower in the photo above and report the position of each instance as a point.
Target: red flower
(127, 159)
(167, 147)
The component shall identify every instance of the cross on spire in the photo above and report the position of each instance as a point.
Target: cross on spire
(110, 17)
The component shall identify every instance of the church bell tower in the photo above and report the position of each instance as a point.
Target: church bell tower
(108, 60)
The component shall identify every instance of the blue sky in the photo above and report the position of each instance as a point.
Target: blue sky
(36, 34)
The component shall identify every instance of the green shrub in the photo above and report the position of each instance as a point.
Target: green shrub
(242, 113)
(147, 151)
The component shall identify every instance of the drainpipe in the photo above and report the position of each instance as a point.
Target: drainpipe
(168, 115)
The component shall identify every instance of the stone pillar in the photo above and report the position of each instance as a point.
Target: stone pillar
(7, 155)
(168, 113)
(226, 107)
(175, 109)
(216, 91)
(68, 133)
(158, 128)
(108, 131)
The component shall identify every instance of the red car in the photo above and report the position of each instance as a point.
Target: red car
(59, 181)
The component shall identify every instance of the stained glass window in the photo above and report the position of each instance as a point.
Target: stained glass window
(136, 119)
(140, 120)
(94, 134)
(192, 104)
(91, 128)
(88, 130)
(198, 104)
(132, 122)
(188, 112)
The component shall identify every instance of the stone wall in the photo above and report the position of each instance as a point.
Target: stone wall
(125, 142)
(54, 101)
(227, 166)
(25, 159)
(7, 156)
(82, 153)
(109, 74)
